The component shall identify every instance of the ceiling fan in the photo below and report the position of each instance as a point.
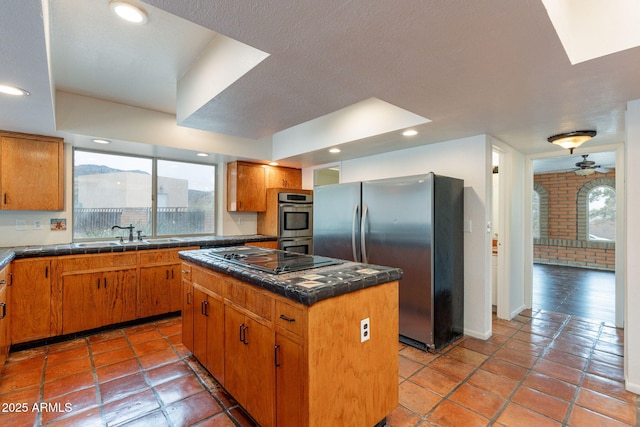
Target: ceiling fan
(588, 167)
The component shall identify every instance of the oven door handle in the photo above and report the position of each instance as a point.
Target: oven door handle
(296, 205)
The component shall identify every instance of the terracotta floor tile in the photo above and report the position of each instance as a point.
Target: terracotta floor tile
(608, 358)
(88, 418)
(70, 404)
(150, 346)
(605, 370)
(581, 417)
(435, 381)
(113, 356)
(148, 335)
(67, 368)
(551, 386)
(401, 417)
(493, 382)
(158, 358)
(551, 316)
(541, 402)
(609, 387)
(506, 369)
(117, 370)
(450, 414)
(516, 357)
(481, 401)
(106, 336)
(610, 348)
(416, 398)
(123, 387)
(111, 344)
(178, 389)
(67, 345)
(602, 404)
(407, 367)
(19, 381)
(519, 416)
(524, 347)
(67, 355)
(219, 420)
(64, 385)
(155, 419)
(452, 367)
(170, 330)
(27, 354)
(484, 347)
(504, 330)
(131, 407)
(20, 366)
(146, 327)
(532, 338)
(570, 360)
(559, 371)
(467, 356)
(27, 395)
(241, 418)
(193, 409)
(27, 418)
(417, 355)
(498, 339)
(571, 348)
(168, 372)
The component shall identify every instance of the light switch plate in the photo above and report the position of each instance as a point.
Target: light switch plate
(21, 225)
(37, 224)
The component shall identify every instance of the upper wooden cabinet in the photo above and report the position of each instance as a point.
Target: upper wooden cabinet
(31, 172)
(247, 184)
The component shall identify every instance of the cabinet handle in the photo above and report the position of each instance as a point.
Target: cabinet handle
(189, 298)
(203, 308)
(4, 310)
(287, 319)
(5, 198)
(275, 355)
(98, 283)
(10, 279)
(105, 283)
(172, 274)
(243, 333)
(185, 272)
(167, 274)
(46, 272)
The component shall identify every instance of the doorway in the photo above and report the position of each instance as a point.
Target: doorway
(573, 217)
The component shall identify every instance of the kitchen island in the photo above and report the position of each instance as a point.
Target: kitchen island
(315, 347)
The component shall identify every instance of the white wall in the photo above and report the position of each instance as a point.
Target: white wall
(468, 159)
(632, 267)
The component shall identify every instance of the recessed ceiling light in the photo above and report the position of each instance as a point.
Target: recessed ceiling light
(101, 141)
(410, 132)
(128, 12)
(273, 164)
(334, 150)
(202, 155)
(12, 90)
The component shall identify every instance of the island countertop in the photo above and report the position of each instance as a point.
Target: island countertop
(306, 287)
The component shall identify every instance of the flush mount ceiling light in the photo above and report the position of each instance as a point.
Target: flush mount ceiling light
(13, 90)
(410, 132)
(334, 150)
(202, 155)
(128, 12)
(273, 163)
(101, 141)
(571, 140)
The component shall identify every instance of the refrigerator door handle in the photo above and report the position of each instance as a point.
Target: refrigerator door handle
(363, 234)
(354, 222)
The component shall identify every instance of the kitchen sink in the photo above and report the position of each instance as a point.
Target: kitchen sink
(163, 240)
(95, 244)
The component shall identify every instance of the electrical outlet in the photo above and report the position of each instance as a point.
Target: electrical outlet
(365, 330)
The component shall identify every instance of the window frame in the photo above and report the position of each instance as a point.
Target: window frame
(154, 191)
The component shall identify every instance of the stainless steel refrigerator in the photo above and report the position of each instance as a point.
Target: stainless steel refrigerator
(414, 223)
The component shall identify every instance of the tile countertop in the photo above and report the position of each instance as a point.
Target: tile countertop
(306, 287)
(7, 254)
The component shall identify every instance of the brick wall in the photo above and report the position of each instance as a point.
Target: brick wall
(563, 237)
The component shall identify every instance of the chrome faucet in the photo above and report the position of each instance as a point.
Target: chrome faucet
(130, 228)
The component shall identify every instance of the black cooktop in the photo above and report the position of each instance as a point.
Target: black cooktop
(270, 260)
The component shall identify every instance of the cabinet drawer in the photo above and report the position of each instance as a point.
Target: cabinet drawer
(208, 280)
(186, 271)
(97, 261)
(162, 255)
(290, 317)
(250, 298)
(4, 277)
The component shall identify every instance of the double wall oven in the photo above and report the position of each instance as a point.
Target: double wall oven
(295, 222)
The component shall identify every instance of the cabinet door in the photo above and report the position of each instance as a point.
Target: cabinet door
(249, 365)
(119, 296)
(4, 326)
(31, 299)
(154, 293)
(82, 302)
(208, 332)
(290, 390)
(199, 326)
(31, 174)
(187, 315)
(175, 287)
(279, 177)
(246, 187)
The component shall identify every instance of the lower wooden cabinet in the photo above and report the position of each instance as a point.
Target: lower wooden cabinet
(92, 300)
(292, 365)
(208, 331)
(187, 309)
(5, 339)
(31, 299)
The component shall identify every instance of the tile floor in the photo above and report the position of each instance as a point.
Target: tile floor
(541, 368)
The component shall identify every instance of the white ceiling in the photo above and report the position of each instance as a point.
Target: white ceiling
(493, 67)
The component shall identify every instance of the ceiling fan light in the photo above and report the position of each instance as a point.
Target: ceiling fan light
(572, 140)
(585, 172)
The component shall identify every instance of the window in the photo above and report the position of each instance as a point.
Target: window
(536, 214)
(601, 213)
(114, 189)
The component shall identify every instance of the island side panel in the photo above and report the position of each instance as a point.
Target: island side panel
(351, 382)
